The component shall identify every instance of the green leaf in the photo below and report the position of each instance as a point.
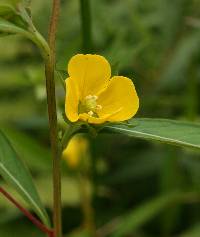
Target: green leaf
(7, 27)
(136, 218)
(26, 3)
(16, 174)
(194, 231)
(167, 131)
(62, 75)
(10, 15)
(175, 71)
(6, 11)
(36, 156)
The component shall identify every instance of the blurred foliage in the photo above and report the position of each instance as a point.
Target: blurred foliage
(157, 44)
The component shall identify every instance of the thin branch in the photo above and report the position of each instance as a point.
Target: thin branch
(33, 219)
(52, 112)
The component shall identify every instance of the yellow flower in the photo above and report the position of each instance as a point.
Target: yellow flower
(93, 96)
(76, 150)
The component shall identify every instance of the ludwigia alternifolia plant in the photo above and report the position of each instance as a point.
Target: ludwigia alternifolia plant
(95, 102)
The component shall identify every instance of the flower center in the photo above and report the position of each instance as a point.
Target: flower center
(89, 105)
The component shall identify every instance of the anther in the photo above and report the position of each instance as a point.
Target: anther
(95, 97)
(90, 113)
(98, 107)
(88, 97)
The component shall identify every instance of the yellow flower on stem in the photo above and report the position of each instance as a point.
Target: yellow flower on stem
(93, 96)
(77, 149)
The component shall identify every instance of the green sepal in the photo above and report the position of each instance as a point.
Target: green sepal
(62, 76)
(94, 129)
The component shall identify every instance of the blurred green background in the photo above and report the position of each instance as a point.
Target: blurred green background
(139, 188)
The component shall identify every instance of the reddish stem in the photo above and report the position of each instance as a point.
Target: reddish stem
(33, 219)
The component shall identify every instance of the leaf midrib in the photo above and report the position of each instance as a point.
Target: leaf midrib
(24, 191)
(160, 138)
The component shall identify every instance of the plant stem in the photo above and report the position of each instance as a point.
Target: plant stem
(85, 12)
(34, 220)
(52, 112)
(86, 204)
(48, 53)
(70, 131)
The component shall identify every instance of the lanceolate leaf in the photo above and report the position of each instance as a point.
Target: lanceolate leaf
(25, 3)
(132, 221)
(35, 156)
(15, 173)
(6, 11)
(194, 231)
(163, 130)
(9, 15)
(62, 75)
(7, 27)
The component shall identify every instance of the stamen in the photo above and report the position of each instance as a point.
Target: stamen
(98, 107)
(89, 105)
(90, 113)
(88, 97)
(95, 97)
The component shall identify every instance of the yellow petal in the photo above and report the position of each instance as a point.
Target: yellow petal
(90, 72)
(71, 153)
(76, 149)
(72, 100)
(119, 99)
(85, 117)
